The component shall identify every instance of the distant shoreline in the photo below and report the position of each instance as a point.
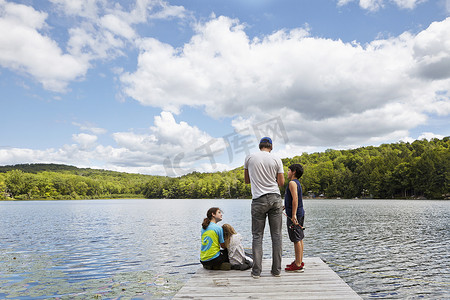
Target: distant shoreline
(143, 198)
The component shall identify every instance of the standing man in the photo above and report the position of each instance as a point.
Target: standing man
(265, 173)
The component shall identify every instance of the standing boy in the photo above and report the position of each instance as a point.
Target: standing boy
(293, 203)
(265, 173)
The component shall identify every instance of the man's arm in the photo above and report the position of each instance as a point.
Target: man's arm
(280, 179)
(247, 176)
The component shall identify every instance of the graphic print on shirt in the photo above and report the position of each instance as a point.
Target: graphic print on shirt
(210, 245)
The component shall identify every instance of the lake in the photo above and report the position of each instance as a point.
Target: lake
(147, 249)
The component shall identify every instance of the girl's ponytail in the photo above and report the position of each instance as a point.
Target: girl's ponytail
(205, 223)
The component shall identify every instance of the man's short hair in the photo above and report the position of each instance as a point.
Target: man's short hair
(265, 142)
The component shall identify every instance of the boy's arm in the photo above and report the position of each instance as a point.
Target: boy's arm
(293, 189)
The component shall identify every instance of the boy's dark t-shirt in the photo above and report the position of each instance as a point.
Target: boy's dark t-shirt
(288, 201)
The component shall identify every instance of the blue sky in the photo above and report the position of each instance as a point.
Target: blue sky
(169, 87)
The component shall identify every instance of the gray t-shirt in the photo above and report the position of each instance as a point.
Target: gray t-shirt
(263, 168)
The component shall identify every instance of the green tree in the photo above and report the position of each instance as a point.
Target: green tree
(3, 187)
(18, 182)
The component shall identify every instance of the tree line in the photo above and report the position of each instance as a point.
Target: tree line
(400, 170)
(420, 169)
(52, 181)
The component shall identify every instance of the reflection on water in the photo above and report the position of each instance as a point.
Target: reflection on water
(107, 249)
(393, 249)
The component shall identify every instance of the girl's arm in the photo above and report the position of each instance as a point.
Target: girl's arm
(293, 190)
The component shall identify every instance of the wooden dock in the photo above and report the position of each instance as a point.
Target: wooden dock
(317, 282)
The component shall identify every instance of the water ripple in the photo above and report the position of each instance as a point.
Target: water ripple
(149, 248)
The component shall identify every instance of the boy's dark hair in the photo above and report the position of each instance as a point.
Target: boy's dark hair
(297, 169)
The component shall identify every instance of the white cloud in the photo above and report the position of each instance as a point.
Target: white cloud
(429, 136)
(425, 135)
(390, 122)
(181, 134)
(117, 26)
(344, 2)
(91, 128)
(144, 10)
(166, 134)
(372, 5)
(432, 51)
(83, 8)
(25, 49)
(337, 93)
(167, 11)
(328, 93)
(91, 43)
(375, 5)
(168, 148)
(208, 71)
(67, 154)
(176, 148)
(408, 4)
(135, 142)
(101, 30)
(85, 140)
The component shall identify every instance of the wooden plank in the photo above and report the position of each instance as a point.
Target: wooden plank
(317, 282)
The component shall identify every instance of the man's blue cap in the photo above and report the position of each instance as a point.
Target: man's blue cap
(266, 140)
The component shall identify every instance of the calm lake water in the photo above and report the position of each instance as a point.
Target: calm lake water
(147, 249)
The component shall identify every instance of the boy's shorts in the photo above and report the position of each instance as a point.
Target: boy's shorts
(295, 232)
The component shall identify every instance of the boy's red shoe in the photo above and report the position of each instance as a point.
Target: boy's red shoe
(295, 268)
(293, 263)
(290, 264)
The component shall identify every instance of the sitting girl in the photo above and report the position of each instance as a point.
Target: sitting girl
(238, 259)
(211, 256)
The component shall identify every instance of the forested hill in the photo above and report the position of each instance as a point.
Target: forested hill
(36, 168)
(400, 170)
(56, 181)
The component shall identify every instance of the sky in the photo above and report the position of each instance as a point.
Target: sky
(171, 87)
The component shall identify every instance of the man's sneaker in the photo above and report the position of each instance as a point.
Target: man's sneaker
(255, 276)
(294, 268)
(276, 275)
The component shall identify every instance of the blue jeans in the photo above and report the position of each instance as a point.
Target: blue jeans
(269, 205)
